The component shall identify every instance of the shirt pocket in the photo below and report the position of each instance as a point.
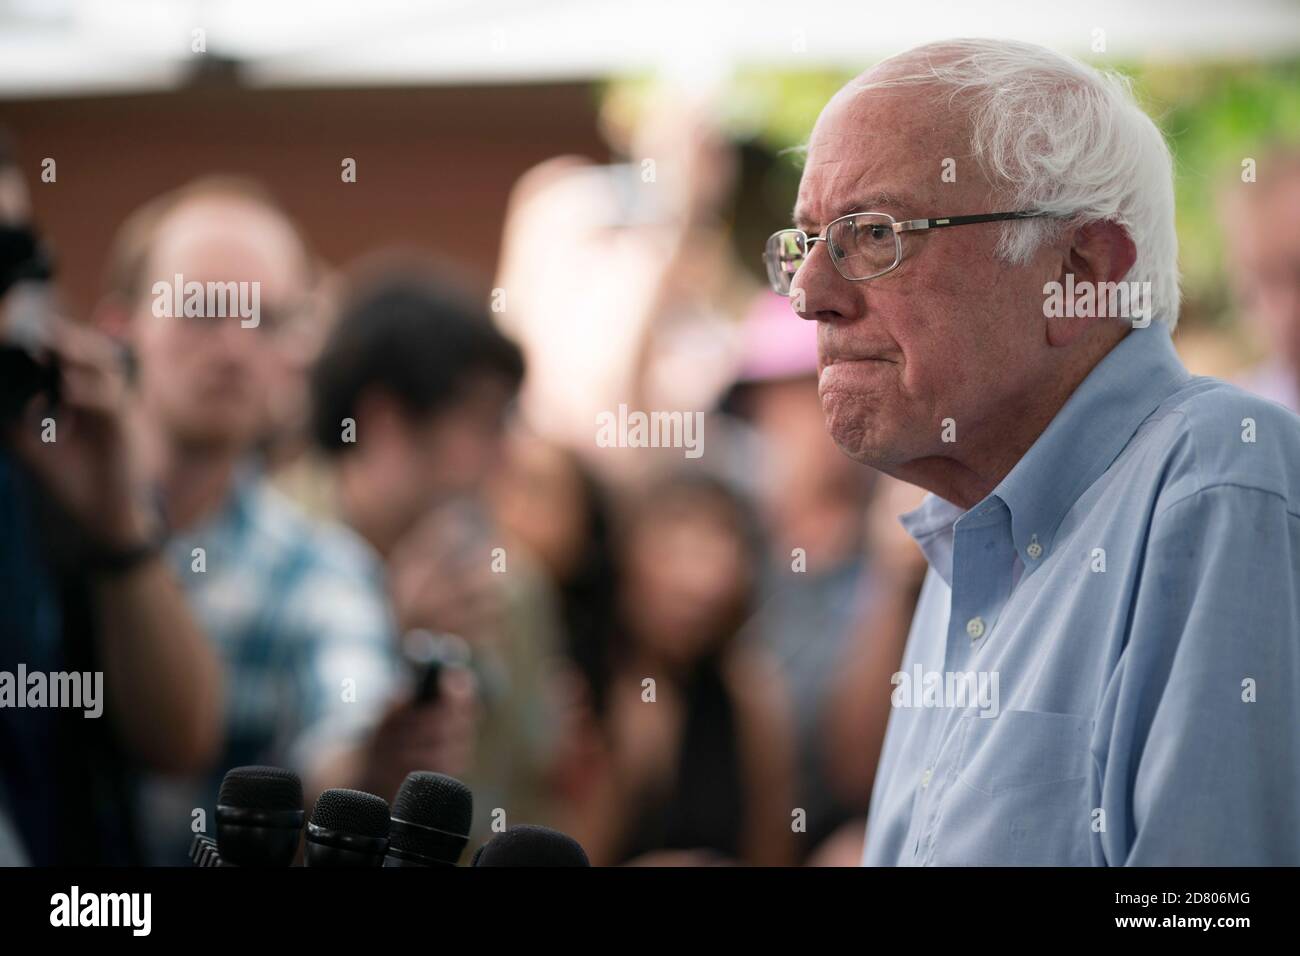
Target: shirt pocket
(1023, 748)
(1021, 794)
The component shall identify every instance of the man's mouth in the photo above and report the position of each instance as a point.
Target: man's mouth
(850, 359)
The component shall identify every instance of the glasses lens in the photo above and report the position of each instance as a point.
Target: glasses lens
(863, 246)
(783, 255)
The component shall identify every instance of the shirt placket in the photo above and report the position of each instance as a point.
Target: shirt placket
(982, 562)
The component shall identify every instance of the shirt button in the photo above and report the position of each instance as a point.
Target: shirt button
(925, 778)
(1034, 549)
(975, 628)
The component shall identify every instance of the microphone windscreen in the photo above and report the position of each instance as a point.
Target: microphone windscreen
(528, 845)
(259, 816)
(351, 811)
(433, 802)
(261, 788)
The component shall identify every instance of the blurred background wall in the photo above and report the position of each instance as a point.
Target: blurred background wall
(434, 166)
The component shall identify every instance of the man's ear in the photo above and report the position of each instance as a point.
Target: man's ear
(1098, 252)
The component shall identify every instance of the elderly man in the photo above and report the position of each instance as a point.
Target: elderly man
(1103, 661)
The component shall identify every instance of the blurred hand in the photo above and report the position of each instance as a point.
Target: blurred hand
(90, 467)
(581, 753)
(439, 736)
(441, 579)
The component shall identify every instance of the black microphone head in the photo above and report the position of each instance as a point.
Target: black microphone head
(348, 828)
(528, 845)
(259, 816)
(431, 819)
(351, 811)
(435, 800)
(261, 788)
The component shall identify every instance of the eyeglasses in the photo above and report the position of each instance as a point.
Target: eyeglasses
(862, 245)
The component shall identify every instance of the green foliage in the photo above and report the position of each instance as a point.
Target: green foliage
(1215, 117)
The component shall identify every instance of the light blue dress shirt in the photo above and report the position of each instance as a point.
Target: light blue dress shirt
(1131, 591)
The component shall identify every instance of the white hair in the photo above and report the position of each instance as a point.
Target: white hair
(1057, 136)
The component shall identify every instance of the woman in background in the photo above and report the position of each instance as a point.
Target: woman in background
(690, 760)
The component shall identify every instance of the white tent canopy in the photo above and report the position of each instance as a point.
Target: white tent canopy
(59, 47)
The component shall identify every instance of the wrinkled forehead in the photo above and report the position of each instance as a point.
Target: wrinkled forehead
(894, 149)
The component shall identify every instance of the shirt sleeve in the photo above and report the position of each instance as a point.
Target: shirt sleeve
(1203, 762)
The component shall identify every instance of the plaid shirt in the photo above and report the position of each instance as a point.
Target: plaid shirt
(299, 616)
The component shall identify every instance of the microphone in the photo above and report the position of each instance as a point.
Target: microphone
(203, 851)
(431, 820)
(259, 817)
(529, 845)
(348, 828)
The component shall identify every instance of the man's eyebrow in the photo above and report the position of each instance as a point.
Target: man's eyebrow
(879, 201)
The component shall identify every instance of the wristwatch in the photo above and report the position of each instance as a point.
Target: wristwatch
(118, 561)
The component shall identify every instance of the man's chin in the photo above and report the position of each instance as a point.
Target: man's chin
(863, 448)
(856, 435)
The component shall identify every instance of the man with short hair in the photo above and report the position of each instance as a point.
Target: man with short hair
(296, 608)
(84, 586)
(409, 398)
(1103, 660)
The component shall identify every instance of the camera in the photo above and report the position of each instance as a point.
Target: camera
(27, 367)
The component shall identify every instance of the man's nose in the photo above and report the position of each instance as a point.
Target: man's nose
(819, 293)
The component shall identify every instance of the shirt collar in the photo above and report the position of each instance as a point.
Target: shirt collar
(1080, 443)
(930, 525)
